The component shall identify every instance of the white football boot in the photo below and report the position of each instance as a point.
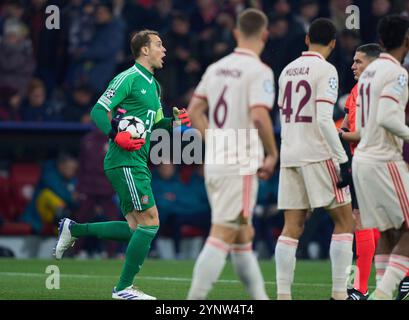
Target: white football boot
(131, 293)
(65, 239)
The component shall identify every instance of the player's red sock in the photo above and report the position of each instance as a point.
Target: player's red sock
(365, 250)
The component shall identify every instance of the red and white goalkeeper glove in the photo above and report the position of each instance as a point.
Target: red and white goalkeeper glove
(125, 141)
(181, 117)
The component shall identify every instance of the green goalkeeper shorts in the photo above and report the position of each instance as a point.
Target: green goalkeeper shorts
(133, 188)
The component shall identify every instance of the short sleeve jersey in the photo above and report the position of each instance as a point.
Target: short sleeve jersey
(137, 92)
(302, 84)
(232, 86)
(384, 78)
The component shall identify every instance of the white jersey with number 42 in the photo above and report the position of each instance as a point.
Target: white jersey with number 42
(304, 82)
(232, 86)
(384, 78)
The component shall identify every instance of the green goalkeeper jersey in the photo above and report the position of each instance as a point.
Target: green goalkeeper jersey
(136, 91)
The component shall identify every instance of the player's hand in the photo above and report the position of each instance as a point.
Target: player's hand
(181, 117)
(345, 174)
(341, 131)
(125, 141)
(267, 169)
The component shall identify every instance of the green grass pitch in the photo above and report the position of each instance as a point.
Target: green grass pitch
(167, 280)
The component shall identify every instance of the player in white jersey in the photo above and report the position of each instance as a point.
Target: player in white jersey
(238, 93)
(310, 156)
(378, 161)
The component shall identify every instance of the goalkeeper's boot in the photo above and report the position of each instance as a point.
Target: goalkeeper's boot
(131, 293)
(65, 239)
(354, 294)
(403, 289)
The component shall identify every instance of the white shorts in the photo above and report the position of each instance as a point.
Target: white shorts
(232, 199)
(311, 186)
(381, 189)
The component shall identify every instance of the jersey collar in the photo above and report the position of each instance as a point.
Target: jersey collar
(387, 56)
(148, 76)
(312, 54)
(245, 52)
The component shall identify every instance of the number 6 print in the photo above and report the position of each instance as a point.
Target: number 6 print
(221, 106)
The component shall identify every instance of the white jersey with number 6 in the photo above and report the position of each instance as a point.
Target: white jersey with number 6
(232, 86)
(302, 84)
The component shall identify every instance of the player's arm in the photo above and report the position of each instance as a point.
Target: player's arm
(327, 93)
(390, 115)
(198, 106)
(262, 121)
(162, 122)
(344, 132)
(197, 111)
(116, 92)
(261, 101)
(325, 110)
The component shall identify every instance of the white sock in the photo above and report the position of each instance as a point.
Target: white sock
(285, 265)
(207, 268)
(396, 270)
(247, 268)
(381, 262)
(340, 252)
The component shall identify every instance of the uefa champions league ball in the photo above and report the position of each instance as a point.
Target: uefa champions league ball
(134, 126)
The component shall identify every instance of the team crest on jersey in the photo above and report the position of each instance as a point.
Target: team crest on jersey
(333, 83)
(268, 86)
(145, 199)
(402, 80)
(110, 93)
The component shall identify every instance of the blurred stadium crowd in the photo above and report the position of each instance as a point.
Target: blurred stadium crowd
(56, 76)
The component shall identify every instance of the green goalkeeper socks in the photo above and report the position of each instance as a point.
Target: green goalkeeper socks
(138, 248)
(114, 230)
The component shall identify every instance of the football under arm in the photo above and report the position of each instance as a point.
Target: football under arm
(99, 116)
(197, 112)
(389, 118)
(262, 121)
(329, 131)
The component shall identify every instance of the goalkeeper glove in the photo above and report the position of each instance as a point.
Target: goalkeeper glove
(125, 141)
(181, 117)
(345, 174)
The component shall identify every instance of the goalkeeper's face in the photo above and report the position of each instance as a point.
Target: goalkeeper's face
(156, 52)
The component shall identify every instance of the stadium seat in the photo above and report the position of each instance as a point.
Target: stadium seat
(15, 228)
(23, 179)
(8, 225)
(5, 200)
(191, 232)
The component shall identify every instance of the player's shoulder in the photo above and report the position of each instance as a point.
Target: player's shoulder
(126, 77)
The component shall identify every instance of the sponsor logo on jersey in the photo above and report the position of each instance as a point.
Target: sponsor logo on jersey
(333, 83)
(402, 80)
(110, 93)
(145, 199)
(143, 91)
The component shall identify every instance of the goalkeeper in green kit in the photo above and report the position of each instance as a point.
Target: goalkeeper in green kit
(134, 92)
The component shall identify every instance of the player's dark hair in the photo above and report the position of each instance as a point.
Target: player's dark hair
(251, 22)
(322, 31)
(371, 50)
(141, 39)
(392, 31)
